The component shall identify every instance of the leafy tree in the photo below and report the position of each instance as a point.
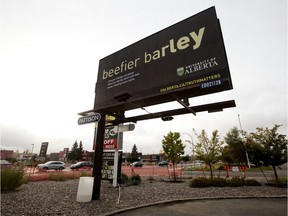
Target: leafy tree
(173, 148)
(129, 158)
(79, 151)
(235, 149)
(185, 158)
(76, 152)
(134, 154)
(208, 150)
(271, 146)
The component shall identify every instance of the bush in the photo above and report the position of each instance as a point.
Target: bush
(218, 182)
(251, 182)
(135, 179)
(57, 177)
(12, 178)
(199, 182)
(124, 179)
(236, 181)
(85, 173)
(282, 182)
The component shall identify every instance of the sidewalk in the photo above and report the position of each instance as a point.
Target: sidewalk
(215, 207)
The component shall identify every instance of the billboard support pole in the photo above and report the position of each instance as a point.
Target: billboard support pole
(98, 154)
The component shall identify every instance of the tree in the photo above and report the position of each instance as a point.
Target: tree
(272, 147)
(207, 150)
(76, 152)
(79, 151)
(173, 148)
(134, 154)
(235, 149)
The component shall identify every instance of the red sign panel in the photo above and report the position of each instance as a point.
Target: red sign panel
(111, 138)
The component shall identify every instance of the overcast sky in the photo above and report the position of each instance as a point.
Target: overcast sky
(50, 51)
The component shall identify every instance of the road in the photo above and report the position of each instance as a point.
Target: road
(166, 171)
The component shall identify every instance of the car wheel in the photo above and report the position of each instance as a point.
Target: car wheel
(61, 168)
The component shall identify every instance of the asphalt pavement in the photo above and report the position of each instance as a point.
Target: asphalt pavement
(215, 207)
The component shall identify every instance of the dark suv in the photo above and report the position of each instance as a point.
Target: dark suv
(82, 164)
(163, 163)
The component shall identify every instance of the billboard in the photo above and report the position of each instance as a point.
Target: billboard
(187, 59)
(43, 150)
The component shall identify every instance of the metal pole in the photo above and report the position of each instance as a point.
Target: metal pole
(98, 154)
(246, 153)
(32, 151)
(192, 143)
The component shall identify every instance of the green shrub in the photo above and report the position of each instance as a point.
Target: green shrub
(57, 177)
(85, 173)
(124, 179)
(236, 181)
(251, 182)
(71, 176)
(218, 182)
(135, 179)
(282, 182)
(12, 178)
(199, 182)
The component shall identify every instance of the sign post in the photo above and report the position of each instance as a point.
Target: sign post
(98, 153)
(115, 169)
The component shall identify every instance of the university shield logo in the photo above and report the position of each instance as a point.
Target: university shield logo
(180, 71)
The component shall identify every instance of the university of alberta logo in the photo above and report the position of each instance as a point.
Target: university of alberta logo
(180, 71)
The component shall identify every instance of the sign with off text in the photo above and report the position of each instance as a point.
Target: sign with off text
(110, 138)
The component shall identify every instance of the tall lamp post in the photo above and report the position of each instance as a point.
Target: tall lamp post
(32, 151)
(247, 158)
(192, 143)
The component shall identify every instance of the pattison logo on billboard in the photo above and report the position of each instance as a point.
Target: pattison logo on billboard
(194, 39)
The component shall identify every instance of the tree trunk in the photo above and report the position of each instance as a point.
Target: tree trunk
(174, 172)
(275, 173)
(211, 173)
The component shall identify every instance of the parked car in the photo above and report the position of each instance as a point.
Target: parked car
(198, 163)
(56, 165)
(137, 164)
(82, 164)
(163, 163)
(23, 158)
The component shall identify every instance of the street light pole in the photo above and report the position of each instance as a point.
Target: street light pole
(32, 150)
(192, 143)
(248, 162)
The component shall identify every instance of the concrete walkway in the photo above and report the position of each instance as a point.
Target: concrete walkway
(215, 207)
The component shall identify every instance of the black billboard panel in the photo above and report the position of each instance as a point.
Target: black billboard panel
(187, 59)
(43, 150)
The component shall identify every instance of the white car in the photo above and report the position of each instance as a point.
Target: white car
(56, 165)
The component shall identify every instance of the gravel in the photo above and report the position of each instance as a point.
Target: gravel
(59, 197)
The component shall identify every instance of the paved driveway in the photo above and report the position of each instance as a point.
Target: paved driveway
(219, 207)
